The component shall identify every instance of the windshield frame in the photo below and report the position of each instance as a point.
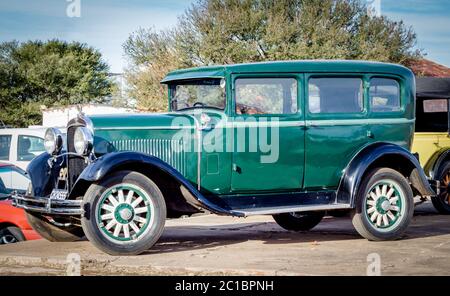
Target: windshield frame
(172, 89)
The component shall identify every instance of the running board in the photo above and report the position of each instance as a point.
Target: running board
(287, 209)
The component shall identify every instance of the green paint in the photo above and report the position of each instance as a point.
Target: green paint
(314, 149)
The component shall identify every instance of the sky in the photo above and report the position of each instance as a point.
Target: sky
(106, 24)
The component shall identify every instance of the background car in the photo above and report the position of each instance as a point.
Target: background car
(432, 140)
(14, 226)
(20, 146)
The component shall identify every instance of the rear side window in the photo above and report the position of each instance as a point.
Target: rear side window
(266, 96)
(384, 95)
(335, 95)
(5, 145)
(28, 147)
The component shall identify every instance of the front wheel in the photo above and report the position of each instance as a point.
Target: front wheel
(301, 221)
(125, 215)
(384, 205)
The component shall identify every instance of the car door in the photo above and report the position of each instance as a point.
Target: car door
(336, 127)
(268, 128)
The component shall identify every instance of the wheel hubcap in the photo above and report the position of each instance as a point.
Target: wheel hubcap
(124, 213)
(384, 204)
(8, 239)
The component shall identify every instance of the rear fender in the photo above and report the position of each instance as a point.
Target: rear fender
(381, 155)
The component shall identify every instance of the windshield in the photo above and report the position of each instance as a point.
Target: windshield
(205, 93)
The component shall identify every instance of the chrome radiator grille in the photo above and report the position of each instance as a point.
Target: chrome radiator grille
(170, 151)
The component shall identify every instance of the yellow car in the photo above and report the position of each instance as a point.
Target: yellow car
(432, 137)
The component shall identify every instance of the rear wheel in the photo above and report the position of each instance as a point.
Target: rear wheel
(384, 205)
(60, 230)
(299, 221)
(442, 201)
(10, 235)
(126, 214)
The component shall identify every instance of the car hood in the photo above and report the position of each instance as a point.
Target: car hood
(141, 121)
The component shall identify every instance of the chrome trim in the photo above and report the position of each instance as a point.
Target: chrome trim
(48, 206)
(88, 140)
(341, 122)
(199, 151)
(144, 128)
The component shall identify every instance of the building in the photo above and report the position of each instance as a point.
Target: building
(427, 68)
(60, 116)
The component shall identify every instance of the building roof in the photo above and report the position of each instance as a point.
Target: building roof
(316, 66)
(429, 68)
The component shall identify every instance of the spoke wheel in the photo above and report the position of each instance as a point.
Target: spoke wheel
(442, 201)
(384, 204)
(124, 212)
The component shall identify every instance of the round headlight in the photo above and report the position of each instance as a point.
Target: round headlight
(83, 141)
(53, 141)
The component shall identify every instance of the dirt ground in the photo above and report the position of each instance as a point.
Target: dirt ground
(213, 245)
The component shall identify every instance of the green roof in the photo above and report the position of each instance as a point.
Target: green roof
(317, 66)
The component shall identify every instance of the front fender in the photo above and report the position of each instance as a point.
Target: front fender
(43, 177)
(368, 157)
(115, 161)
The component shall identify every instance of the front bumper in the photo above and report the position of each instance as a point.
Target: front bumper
(45, 205)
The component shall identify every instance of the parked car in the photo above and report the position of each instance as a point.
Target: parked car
(287, 139)
(20, 146)
(432, 140)
(14, 226)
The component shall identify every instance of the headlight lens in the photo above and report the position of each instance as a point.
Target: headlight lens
(83, 141)
(53, 141)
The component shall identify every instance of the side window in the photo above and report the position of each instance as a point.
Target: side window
(384, 95)
(335, 95)
(5, 145)
(28, 147)
(266, 96)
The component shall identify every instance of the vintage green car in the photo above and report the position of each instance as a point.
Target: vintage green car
(288, 139)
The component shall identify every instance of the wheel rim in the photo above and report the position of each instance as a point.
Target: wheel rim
(384, 205)
(8, 239)
(445, 195)
(125, 213)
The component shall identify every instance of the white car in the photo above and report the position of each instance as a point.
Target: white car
(19, 146)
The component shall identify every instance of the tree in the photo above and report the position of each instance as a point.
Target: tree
(52, 73)
(235, 31)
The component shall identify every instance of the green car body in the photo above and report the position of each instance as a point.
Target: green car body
(246, 154)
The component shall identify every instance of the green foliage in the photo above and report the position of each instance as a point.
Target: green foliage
(52, 73)
(237, 31)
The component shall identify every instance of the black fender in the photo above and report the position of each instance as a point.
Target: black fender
(112, 162)
(433, 165)
(43, 176)
(395, 157)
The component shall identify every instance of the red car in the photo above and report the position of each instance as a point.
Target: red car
(14, 226)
